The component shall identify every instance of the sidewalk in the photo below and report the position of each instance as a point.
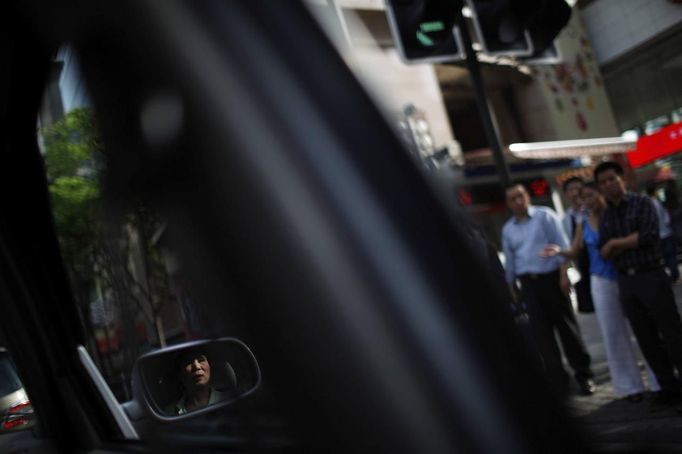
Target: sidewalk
(615, 425)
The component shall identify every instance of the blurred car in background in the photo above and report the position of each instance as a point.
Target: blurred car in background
(16, 411)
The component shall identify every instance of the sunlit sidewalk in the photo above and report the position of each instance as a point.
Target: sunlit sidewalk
(617, 425)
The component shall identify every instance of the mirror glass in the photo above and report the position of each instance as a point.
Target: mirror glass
(194, 376)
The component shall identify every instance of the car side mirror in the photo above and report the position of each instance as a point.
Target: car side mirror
(194, 378)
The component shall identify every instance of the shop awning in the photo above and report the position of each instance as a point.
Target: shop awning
(566, 149)
(660, 144)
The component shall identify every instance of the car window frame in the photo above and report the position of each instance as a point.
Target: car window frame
(383, 177)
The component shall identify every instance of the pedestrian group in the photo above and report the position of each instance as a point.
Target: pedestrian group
(622, 244)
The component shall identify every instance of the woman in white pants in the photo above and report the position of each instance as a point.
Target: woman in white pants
(620, 351)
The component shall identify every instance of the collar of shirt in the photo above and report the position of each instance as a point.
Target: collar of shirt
(580, 212)
(624, 201)
(531, 212)
(181, 405)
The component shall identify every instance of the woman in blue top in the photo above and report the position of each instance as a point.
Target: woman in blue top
(620, 352)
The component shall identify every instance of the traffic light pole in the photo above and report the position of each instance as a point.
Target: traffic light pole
(489, 124)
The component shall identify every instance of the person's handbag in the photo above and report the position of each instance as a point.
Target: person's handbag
(583, 290)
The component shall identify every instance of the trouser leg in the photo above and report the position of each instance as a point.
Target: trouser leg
(669, 248)
(620, 351)
(563, 319)
(583, 294)
(646, 331)
(657, 293)
(545, 340)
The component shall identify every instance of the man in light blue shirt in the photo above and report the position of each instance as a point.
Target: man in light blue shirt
(544, 288)
(523, 237)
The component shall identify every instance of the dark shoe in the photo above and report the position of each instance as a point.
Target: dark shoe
(665, 400)
(635, 398)
(587, 387)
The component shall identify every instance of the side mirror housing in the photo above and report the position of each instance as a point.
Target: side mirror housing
(194, 378)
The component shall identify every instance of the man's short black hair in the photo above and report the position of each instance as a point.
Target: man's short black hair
(514, 185)
(573, 179)
(608, 165)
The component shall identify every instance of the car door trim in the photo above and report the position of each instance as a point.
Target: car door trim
(116, 409)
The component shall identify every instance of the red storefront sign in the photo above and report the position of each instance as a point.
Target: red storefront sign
(657, 145)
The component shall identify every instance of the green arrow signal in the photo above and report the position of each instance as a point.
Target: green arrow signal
(435, 26)
(425, 40)
(427, 27)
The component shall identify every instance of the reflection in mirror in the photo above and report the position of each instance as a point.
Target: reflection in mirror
(186, 378)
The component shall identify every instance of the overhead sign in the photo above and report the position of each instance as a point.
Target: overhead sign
(660, 144)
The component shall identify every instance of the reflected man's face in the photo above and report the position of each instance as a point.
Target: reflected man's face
(196, 371)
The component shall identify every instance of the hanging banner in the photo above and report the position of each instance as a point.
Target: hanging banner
(660, 144)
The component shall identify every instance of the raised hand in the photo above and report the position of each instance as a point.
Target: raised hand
(550, 250)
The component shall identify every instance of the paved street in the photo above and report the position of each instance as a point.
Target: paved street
(618, 425)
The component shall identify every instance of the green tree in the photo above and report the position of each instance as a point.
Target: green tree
(102, 254)
(72, 151)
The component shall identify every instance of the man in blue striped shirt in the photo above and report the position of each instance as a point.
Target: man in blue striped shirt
(544, 288)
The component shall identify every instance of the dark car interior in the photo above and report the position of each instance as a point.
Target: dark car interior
(307, 230)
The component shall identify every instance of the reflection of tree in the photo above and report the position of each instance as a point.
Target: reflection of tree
(111, 260)
(72, 149)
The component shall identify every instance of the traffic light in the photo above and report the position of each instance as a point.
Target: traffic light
(425, 31)
(500, 28)
(550, 56)
(544, 22)
(523, 28)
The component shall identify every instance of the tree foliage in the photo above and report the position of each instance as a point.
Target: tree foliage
(95, 251)
(72, 153)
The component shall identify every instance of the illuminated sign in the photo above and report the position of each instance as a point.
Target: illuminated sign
(539, 187)
(658, 145)
(493, 193)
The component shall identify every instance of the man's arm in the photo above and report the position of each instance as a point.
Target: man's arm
(604, 232)
(647, 232)
(509, 271)
(648, 227)
(616, 246)
(555, 231)
(564, 282)
(662, 212)
(556, 235)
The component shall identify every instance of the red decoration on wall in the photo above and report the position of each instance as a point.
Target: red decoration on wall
(580, 120)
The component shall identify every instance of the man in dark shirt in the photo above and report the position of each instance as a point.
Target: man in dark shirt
(629, 236)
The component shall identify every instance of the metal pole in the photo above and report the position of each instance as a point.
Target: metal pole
(484, 110)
